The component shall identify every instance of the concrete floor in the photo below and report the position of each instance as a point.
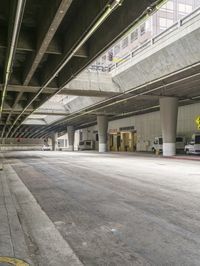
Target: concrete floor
(116, 209)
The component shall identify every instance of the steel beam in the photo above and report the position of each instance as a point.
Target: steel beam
(11, 111)
(13, 34)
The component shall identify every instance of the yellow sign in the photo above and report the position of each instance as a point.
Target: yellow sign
(198, 122)
(13, 261)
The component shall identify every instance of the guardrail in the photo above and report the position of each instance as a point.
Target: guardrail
(147, 43)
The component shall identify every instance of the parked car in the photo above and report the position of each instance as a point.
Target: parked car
(158, 144)
(86, 145)
(46, 147)
(193, 146)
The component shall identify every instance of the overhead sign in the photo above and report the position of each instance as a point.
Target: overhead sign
(112, 131)
(129, 128)
(198, 122)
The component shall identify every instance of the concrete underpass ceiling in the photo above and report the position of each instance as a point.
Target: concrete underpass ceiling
(37, 45)
(132, 89)
(183, 84)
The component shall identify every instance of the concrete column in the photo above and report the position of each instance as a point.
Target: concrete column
(102, 123)
(71, 131)
(169, 113)
(54, 142)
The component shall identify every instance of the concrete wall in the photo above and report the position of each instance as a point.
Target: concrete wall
(95, 81)
(76, 140)
(21, 144)
(148, 126)
(20, 147)
(21, 141)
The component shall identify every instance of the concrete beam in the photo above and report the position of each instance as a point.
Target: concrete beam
(26, 43)
(55, 113)
(15, 21)
(89, 93)
(89, 13)
(126, 15)
(32, 89)
(66, 91)
(82, 52)
(11, 111)
(91, 83)
(48, 28)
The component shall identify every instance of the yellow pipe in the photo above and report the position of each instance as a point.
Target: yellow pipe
(13, 261)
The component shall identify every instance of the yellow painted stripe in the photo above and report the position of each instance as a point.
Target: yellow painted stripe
(13, 261)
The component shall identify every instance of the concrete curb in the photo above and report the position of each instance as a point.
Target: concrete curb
(183, 158)
(52, 248)
(15, 246)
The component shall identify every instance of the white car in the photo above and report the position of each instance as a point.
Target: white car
(86, 145)
(193, 147)
(46, 147)
(158, 144)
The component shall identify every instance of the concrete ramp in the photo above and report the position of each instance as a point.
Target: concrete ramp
(175, 49)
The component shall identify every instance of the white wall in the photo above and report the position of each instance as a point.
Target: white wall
(186, 119)
(148, 126)
(76, 140)
(21, 144)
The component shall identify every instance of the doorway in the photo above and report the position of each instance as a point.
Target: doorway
(128, 141)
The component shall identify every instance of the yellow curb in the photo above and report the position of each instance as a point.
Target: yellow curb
(13, 261)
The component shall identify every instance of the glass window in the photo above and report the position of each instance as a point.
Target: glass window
(98, 62)
(169, 6)
(103, 59)
(142, 29)
(160, 141)
(110, 55)
(65, 142)
(81, 135)
(148, 25)
(185, 8)
(197, 139)
(117, 49)
(134, 35)
(197, 3)
(165, 23)
(179, 139)
(61, 142)
(125, 42)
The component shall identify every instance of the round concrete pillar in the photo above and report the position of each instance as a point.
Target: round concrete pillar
(102, 123)
(71, 131)
(54, 142)
(169, 113)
